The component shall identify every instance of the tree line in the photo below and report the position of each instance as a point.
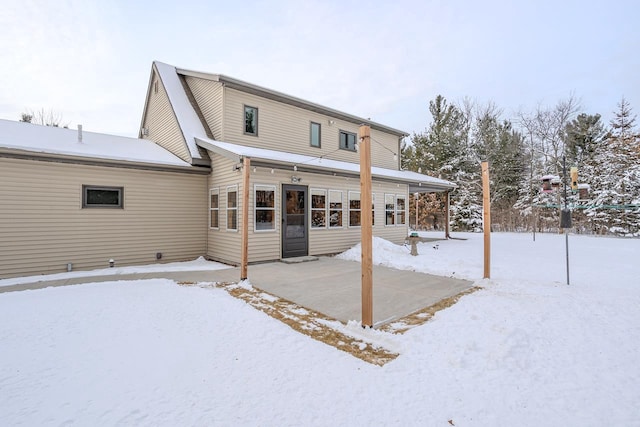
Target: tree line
(521, 151)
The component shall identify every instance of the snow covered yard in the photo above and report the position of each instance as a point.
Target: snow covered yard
(526, 350)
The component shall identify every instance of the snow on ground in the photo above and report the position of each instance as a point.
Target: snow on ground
(527, 350)
(199, 264)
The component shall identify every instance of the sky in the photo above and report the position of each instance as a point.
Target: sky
(90, 61)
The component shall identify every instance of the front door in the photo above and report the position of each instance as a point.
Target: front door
(295, 236)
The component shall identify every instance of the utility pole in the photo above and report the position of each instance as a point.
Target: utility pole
(486, 220)
(565, 215)
(244, 238)
(365, 226)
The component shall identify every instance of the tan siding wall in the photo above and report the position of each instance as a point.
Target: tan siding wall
(286, 128)
(43, 226)
(223, 244)
(162, 124)
(208, 95)
(266, 245)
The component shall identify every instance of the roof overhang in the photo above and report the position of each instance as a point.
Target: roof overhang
(418, 183)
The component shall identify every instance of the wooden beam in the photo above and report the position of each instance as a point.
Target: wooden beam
(486, 219)
(244, 241)
(365, 226)
(446, 216)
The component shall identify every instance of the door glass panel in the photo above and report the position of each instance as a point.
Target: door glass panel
(295, 214)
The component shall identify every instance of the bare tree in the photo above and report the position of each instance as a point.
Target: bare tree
(44, 117)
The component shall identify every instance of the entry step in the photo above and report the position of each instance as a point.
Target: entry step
(299, 259)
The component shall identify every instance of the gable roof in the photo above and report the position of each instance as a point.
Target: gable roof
(288, 99)
(188, 120)
(418, 183)
(37, 139)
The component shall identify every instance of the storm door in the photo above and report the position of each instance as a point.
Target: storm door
(295, 235)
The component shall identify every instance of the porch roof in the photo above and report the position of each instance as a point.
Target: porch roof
(417, 182)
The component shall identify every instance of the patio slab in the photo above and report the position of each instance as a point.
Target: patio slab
(328, 285)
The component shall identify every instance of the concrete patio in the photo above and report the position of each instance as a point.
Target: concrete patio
(328, 285)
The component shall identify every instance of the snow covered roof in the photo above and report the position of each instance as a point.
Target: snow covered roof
(188, 120)
(418, 183)
(60, 141)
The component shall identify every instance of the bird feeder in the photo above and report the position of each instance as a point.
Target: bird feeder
(583, 191)
(550, 183)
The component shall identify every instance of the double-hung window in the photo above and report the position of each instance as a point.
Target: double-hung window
(347, 141)
(214, 208)
(265, 207)
(389, 209)
(318, 208)
(232, 208)
(335, 209)
(354, 209)
(400, 210)
(250, 120)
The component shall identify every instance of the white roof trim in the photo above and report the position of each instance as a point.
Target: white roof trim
(416, 181)
(188, 120)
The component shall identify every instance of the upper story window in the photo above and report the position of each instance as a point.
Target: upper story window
(250, 120)
(315, 135)
(94, 196)
(347, 140)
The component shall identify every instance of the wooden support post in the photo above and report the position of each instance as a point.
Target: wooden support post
(446, 216)
(486, 219)
(244, 241)
(365, 226)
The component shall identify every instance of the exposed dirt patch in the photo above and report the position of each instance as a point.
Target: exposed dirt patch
(318, 326)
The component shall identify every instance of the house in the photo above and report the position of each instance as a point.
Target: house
(78, 199)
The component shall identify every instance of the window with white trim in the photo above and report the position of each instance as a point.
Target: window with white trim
(401, 207)
(373, 209)
(355, 216)
(265, 207)
(389, 209)
(214, 208)
(232, 208)
(335, 209)
(318, 208)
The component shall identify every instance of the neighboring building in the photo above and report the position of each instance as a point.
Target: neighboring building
(108, 197)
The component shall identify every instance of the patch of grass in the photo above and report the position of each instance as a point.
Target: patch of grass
(317, 326)
(422, 316)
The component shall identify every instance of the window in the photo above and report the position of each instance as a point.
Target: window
(354, 209)
(95, 196)
(318, 208)
(389, 209)
(214, 208)
(400, 210)
(347, 140)
(250, 120)
(232, 208)
(373, 209)
(335, 209)
(265, 207)
(315, 135)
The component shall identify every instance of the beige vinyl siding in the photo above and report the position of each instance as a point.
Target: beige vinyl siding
(208, 96)
(283, 127)
(161, 122)
(333, 240)
(266, 245)
(43, 226)
(224, 245)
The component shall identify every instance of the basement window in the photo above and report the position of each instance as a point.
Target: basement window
(95, 196)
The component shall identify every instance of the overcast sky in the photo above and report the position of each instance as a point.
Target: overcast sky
(384, 60)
